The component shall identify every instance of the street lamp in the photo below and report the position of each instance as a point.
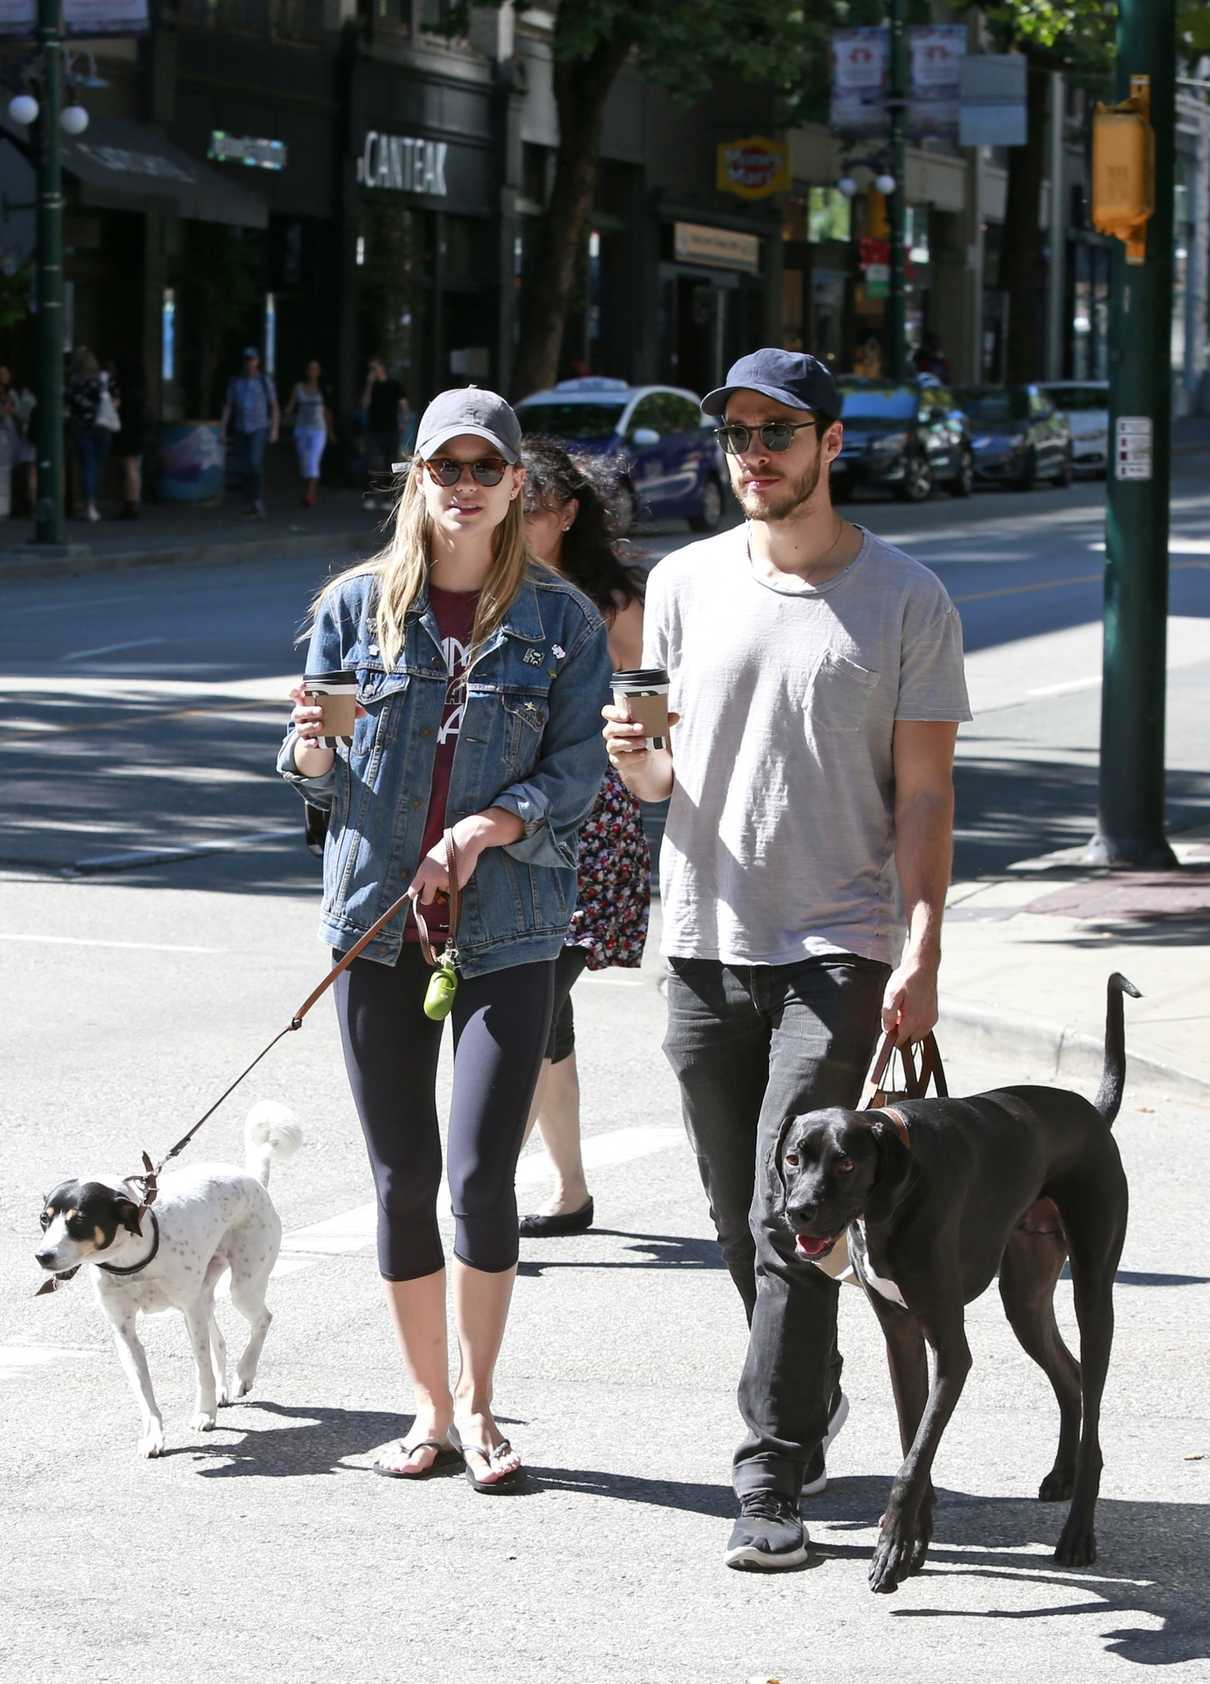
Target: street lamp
(884, 183)
(73, 119)
(23, 109)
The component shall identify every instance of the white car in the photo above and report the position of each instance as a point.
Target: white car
(1085, 403)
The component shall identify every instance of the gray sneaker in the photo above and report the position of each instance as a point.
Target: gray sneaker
(768, 1535)
(815, 1479)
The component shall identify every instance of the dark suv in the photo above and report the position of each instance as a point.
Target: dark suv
(907, 438)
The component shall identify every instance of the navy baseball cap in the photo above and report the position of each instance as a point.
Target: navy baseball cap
(791, 377)
(470, 409)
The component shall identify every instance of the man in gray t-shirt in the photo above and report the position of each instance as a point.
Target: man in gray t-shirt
(817, 676)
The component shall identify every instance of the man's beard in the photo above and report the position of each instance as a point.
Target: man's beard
(787, 498)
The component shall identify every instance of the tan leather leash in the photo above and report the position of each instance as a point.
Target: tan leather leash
(149, 1179)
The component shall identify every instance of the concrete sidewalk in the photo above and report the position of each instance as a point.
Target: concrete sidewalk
(1027, 956)
(340, 525)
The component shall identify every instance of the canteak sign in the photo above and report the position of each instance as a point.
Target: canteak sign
(403, 164)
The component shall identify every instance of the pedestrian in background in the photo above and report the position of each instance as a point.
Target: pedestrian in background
(250, 420)
(311, 417)
(817, 673)
(931, 359)
(454, 588)
(93, 419)
(384, 405)
(567, 526)
(130, 443)
(10, 441)
(24, 402)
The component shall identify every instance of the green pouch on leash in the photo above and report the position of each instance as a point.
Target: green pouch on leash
(443, 984)
(439, 995)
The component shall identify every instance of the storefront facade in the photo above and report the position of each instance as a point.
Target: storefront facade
(418, 250)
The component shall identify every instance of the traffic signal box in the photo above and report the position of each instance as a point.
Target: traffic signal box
(1123, 169)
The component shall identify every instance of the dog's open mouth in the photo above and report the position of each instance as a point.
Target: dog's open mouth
(811, 1248)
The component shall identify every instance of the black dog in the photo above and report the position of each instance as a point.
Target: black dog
(940, 1194)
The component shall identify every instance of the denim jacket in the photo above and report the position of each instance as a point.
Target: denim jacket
(530, 741)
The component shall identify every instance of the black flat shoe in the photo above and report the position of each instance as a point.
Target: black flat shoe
(550, 1227)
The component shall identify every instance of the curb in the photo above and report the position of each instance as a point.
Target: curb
(1072, 1055)
(16, 564)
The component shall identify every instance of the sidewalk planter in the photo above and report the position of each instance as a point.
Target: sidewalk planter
(191, 462)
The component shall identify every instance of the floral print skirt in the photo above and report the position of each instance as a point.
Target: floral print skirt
(614, 890)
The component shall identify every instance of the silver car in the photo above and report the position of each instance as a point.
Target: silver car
(1085, 403)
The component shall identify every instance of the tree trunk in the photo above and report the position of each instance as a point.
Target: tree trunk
(581, 89)
(1021, 250)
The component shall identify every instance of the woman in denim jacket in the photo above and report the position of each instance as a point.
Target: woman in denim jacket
(481, 677)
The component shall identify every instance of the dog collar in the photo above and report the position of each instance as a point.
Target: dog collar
(901, 1125)
(116, 1269)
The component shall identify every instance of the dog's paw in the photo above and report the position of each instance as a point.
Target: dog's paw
(899, 1552)
(225, 1395)
(245, 1386)
(1077, 1547)
(152, 1441)
(1057, 1486)
(202, 1421)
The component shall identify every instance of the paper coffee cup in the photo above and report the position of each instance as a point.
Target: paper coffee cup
(644, 690)
(336, 694)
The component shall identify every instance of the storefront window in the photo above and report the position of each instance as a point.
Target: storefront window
(829, 215)
(396, 267)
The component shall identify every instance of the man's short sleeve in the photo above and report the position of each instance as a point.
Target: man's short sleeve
(932, 682)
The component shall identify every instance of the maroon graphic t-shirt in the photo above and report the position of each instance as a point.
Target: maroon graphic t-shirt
(454, 612)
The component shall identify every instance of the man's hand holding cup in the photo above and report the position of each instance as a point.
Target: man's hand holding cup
(636, 732)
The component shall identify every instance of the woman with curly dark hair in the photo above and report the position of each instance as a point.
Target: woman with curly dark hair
(568, 526)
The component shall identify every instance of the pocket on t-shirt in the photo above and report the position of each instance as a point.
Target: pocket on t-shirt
(840, 694)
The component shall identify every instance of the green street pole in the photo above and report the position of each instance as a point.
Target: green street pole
(1130, 814)
(896, 314)
(48, 516)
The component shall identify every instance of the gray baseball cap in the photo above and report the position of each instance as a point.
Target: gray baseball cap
(470, 409)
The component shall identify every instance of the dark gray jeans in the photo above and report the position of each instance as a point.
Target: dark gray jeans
(752, 1045)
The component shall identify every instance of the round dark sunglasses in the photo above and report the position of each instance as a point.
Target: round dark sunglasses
(443, 470)
(774, 435)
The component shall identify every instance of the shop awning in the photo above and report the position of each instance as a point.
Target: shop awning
(122, 165)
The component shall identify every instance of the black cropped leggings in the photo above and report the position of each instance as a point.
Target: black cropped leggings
(500, 1022)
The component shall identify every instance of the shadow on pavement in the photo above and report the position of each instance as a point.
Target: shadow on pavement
(1011, 807)
(1173, 1536)
(664, 1251)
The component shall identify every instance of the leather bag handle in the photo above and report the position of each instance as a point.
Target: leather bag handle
(915, 1082)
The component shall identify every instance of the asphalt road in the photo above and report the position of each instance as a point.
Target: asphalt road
(132, 991)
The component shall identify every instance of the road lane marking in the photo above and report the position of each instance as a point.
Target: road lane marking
(354, 1230)
(111, 648)
(90, 941)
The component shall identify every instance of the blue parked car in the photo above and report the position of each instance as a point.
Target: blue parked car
(664, 447)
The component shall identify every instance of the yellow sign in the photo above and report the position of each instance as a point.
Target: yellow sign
(753, 168)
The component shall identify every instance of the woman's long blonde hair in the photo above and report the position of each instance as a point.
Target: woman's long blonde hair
(402, 566)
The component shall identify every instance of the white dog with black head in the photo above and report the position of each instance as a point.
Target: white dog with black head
(206, 1218)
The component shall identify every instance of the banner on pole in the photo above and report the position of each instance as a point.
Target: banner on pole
(935, 54)
(861, 73)
(861, 68)
(80, 17)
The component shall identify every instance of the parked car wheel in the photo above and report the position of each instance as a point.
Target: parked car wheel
(710, 510)
(917, 483)
(1028, 477)
(963, 482)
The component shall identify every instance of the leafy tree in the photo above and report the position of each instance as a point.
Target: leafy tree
(683, 46)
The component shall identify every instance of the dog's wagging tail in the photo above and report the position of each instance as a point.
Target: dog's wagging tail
(1113, 1073)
